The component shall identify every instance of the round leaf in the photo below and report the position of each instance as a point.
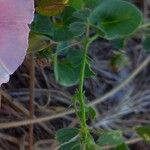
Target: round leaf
(111, 138)
(116, 18)
(66, 134)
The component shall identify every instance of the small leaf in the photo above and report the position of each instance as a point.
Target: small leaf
(91, 113)
(63, 48)
(146, 44)
(51, 7)
(111, 138)
(67, 15)
(82, 14)
(65, 73)
(119, 60)
(37, 42)
(74, 56)
(77, 28)
(67, 69)
(66, 134)
(62, 34)
(144, 132)
(88, 71)
(42, 25)
(117, 18)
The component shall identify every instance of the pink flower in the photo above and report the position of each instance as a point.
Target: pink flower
(15, 15)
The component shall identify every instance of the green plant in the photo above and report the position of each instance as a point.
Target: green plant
(61, 31)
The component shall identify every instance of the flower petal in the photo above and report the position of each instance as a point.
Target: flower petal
(15, 15)
(16, 10)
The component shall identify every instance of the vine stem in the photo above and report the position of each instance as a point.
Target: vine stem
(146, 25)
(84, 128)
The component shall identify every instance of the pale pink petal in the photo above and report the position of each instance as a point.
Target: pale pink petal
(15, 15)
(16, 10)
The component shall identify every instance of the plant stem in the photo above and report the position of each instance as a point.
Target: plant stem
(84, 127)
(81, 92)
(146, 25)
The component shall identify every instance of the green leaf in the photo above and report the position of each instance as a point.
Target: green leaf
(88, 71)
(62, 34)
(67, 69)
(65, 73)
(111, 138)
(67, 138)
(123, 146)
(144, 132)
(74, 56)
(67, 16)
(82, 14)
(63, 48)
(146, 44)
(42, 25)
(116, 18)
(51, 7)
(91, 3)
(37, 42)
(77, 28)
(91, 113)
(119, 60)
(77, 4)
(66, 134)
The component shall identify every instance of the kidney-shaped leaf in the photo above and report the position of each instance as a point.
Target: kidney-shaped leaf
(66, 134)
(116, 18)
(15, 15)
